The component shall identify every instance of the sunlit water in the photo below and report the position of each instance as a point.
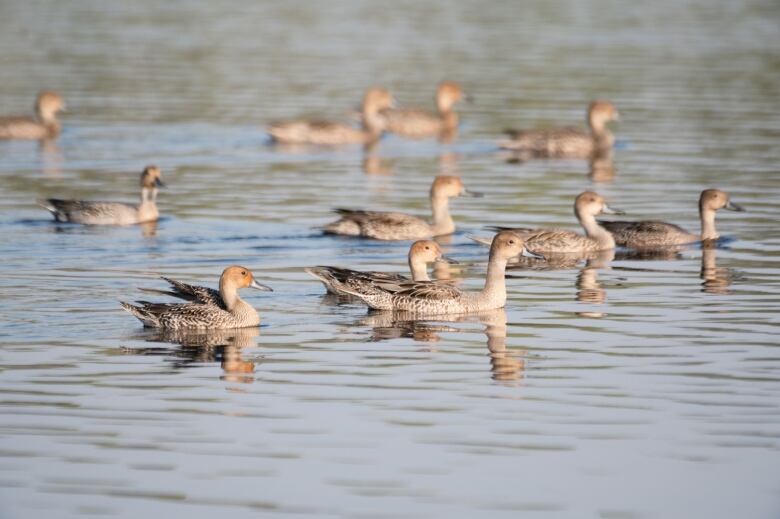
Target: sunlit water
(631, 389)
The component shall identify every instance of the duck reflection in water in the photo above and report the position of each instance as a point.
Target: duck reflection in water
(204, 347)
(715, 280)
(504, 364)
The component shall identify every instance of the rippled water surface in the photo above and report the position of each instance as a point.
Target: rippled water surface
(630, 388)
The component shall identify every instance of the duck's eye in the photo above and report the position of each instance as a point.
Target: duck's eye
(243, 272)
(427, 247)
(511, 242)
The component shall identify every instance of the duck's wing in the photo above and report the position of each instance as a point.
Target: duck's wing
(427, 290)
(644, 227)
(378, 218)
(556, 240)
(64, 209)
(195, 293)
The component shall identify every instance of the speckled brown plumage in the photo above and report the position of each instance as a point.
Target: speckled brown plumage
(567, 142)
(654, 234)
(430, 298)
(45, 124)
(327, 133)
(110, 213)
(381, 225)
(415, 123)
(206, 309)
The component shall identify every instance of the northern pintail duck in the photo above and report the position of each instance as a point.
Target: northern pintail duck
(110, 213)
(649, 234)
(330, 133)
(43, 126)
(421, 253)
(432, 297)
(559, 241)
(567, 142)
(416, 123)
(401, 226)
(207, 308)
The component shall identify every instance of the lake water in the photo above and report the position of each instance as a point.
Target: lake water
(631, 388)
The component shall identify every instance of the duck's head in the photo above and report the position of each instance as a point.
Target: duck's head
(377, 99)
(602, 112)
(449, 93)
(237, 276)
(445, 186)
(714, 199)
(427, 251)
(151, 177)
(592, 204)
(508, 244)
(48, 104)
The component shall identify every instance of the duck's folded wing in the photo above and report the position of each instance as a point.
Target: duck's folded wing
(428, 290)
(195, 293)
(644, 227)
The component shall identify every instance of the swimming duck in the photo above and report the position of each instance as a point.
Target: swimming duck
(567, 142)
(110, 213)
(416, 124)
(45, 124)
(649, 234)
(329, 133)
(421, 253)
(442, 298)
(559, 241)
(400, 226)
(207, 308)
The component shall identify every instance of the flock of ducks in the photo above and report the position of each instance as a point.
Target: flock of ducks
(206, 308)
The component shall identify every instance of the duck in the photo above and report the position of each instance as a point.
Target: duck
(548, 242)
(431, 297)
(41, 127)
(567, 142)
(421, 253)
(400, 226)
(206, 308)
(652, 234)
(415, 123)
(110, 213)
(328, 133)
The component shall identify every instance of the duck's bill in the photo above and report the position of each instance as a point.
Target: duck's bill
(472, 194)
(258, 286)
(469, 98)
(731, 206)
(159, 183)
(528, 254)
(445, 259)
(609, 210)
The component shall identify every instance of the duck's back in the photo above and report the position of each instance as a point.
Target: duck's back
(559, 241)
(379, 225)
(412, 122)
(315, 132)
(557, 142)
(337, 279)
(24, 128)
(91, 213)
(648, 234)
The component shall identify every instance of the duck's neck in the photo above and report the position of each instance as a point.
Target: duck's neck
(494, 293)
(419, 269)
(708, 231)
(229, 294)
(50, 122)
(442, 221)
(148, 195)
(601, 135)
(449, 119)
(596, 232)
(373, 125)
